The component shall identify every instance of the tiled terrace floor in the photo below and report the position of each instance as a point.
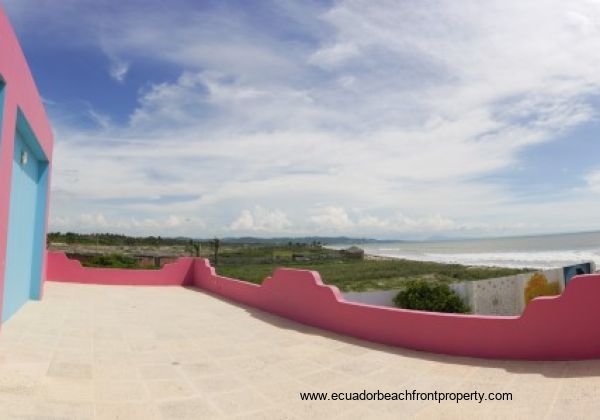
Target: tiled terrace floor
(174, 353)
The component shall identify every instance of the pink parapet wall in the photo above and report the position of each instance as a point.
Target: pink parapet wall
(552, 328)
(64, 270)
(555, 328)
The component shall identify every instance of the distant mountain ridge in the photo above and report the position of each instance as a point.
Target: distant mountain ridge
(119, 239)
(324, 240)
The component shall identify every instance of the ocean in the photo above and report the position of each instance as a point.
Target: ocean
(548, 251)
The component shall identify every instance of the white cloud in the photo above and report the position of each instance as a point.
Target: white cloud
(174, 221)
(116, 223)
(261, 220)
(395, 115)
(103, 121)
(334, 55)
(593, 181)
(118, 69)
(331, 218)
(435, 223)
(245, 221)
(373, 222)
(95, 220)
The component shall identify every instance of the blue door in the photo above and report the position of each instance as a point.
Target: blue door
(25, 243)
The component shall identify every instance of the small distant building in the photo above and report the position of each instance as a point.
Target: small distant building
(25, 155)
(354, 253)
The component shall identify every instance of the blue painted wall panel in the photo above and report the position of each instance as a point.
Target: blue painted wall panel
(39, 234)
(23, 264)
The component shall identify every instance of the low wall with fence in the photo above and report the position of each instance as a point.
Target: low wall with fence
(62, 269)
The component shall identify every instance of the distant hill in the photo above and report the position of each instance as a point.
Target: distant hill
(116, 239)
(323, 240)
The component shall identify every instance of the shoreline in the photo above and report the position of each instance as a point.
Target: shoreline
(375, 257)
(535, 252)
(528, 260)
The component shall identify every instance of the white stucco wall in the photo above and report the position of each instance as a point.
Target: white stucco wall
(378, 297)
(500, 296)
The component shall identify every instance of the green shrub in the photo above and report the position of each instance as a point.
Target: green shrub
(112, 261)
(430, 296)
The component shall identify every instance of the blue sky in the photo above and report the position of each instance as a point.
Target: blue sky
(394, 119)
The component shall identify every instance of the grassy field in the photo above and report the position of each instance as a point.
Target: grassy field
(116, 261)
(255, 262)
(363, 275)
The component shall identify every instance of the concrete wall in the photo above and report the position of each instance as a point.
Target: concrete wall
(377, 297)
(21, 111)
(499, 296)
(506, 295)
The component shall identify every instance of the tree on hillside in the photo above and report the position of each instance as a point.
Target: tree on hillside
(216, 244)
(194, 248)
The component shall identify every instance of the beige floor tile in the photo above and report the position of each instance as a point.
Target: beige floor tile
(161, 390)
(220, 383)
(20, 379)
(121, 391)
(65, 389)
(240, 402)
(194, 408)
(174, 353)
(126, 411)
(70, 370)
(204, 368)
(159, 371)
(268, 414)
(62, 410)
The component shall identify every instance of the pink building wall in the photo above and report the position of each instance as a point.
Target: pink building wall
(551, 328)
(20, 93)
